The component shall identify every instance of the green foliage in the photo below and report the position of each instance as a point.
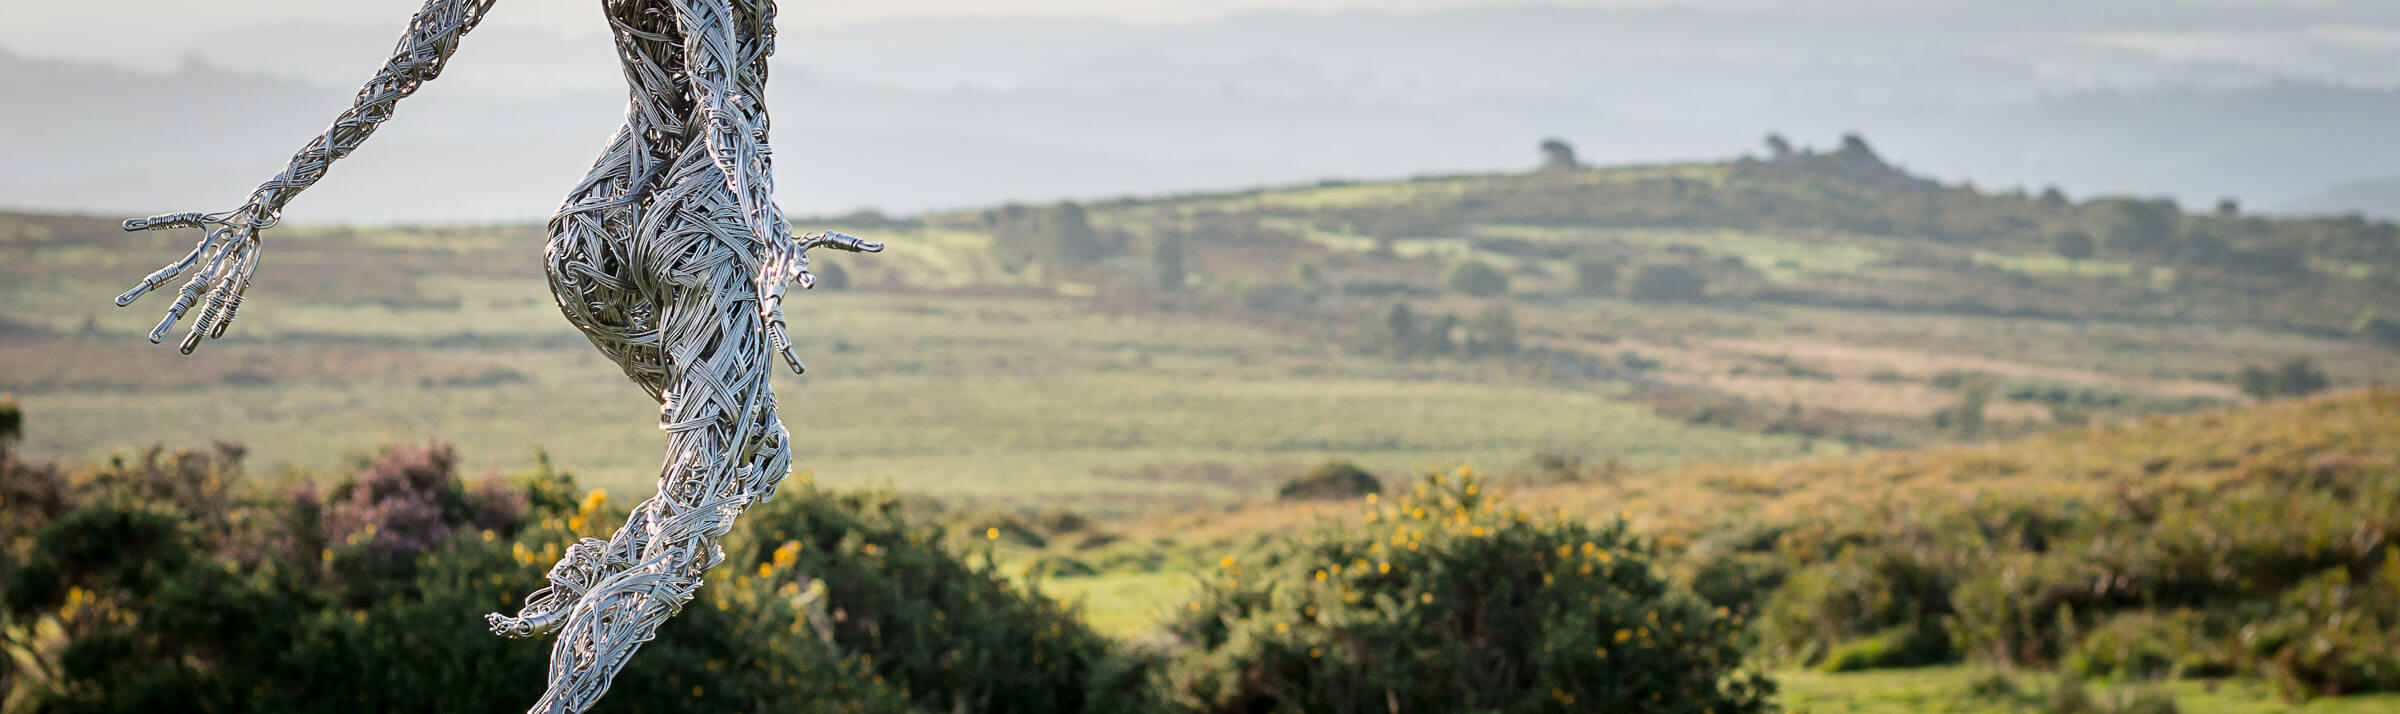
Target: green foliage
(1478, 279)
(2150, 645)
(1557, 155)
(2072, 244)
(1058, 235)
(2223, 547)
(830, 276)
(2294, 377)
(1667, 282)
(2069, 695)
(954, 634)
(2134, 226)
(1778, 148)
(12, 420)
(1964, 418)
(1595, 276)
(1166, 256)
(2335, 634)
(1866, 608)
(1445, 600)
(169, 583)
(1332, 480)
(1492, 333)
(1903, 646)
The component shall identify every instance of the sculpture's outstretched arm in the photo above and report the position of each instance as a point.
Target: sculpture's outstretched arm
(731, 91)
(230, 242)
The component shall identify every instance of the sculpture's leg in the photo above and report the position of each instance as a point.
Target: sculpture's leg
(598, 290)
(726, 449)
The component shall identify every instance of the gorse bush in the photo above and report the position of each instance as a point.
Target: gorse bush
(1867, 608)
(1444, 600)
(951, 633)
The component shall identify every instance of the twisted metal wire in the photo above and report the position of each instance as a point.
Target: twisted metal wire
(229, 241)
(671, 257)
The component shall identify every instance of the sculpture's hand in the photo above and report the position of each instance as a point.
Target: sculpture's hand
(786, 261)
(229, 244)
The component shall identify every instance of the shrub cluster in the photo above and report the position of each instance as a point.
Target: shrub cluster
(172, 584)
(2283, 568)
(1444, 600)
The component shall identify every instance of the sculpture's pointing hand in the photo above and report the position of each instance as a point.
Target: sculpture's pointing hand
(787, 262)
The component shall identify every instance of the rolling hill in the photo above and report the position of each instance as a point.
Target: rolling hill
(1202, 346)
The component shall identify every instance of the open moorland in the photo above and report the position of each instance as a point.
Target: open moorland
(1805, 432)
(1204, 347)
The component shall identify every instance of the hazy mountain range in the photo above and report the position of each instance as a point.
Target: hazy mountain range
(919, 114)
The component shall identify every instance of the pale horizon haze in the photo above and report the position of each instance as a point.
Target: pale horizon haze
(920, 105)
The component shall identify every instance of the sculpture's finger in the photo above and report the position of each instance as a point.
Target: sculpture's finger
(166, 273)
(232, 306)
(236, 283)
(211, 322)
(170, 220)
(844, 242)
(191, 340)
(783, 345)
(175, 310)
(190, 294)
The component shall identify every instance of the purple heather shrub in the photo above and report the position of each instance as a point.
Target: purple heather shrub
(494, 505)
(402, 504)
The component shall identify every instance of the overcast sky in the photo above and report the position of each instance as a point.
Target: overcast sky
(920, 104)
(2350, 41)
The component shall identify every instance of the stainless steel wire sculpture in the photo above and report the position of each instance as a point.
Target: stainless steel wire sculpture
(671, 256)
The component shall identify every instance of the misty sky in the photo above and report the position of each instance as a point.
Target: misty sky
(914, 105)
(2341, 40)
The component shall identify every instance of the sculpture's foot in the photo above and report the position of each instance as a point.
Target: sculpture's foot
(525, 626)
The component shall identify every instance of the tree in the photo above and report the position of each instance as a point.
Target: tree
(2256, 382)
(2072, 244)
(2299, 377)
(12, 419)
(1167, 256)
(2053, 197)
(2295, 377)
(1435, 338)
(1477, 279)
(1854, 149)
(2228, 207)
(1594, 276)
(1399, 326)
(1778, 147)
(1071, 232)
(1667, 282)
(2135, 226)
(831, 276)
(1965, 418)
(1492, 333)
(1557, 155)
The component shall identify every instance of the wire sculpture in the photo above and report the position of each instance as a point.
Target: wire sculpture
(671, 256)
